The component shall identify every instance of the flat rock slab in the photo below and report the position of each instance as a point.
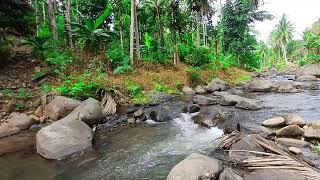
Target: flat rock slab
(292, 130)
(8, 129)
(292, 142)
(196, 166)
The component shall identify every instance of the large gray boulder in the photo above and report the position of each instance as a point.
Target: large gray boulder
(307, 78)
(205, 101)
(216, 85)
(309, 69)
(239, 102)
(63, 138)
(260, 85)
(196, 166)
(20, 120)
(60, 107)
(286, 87)
(274, 174)
(274, 122)
(229, 174)
(89, 111)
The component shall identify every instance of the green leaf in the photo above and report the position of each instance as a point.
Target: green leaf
(105, 14)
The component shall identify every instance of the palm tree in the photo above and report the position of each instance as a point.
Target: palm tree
(282, 34)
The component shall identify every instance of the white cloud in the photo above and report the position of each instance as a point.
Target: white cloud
(302, 13)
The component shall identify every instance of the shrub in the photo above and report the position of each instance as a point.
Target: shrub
(193, 75)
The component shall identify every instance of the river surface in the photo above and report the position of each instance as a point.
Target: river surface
(150, 152)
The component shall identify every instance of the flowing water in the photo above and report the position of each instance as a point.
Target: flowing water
(150, 152)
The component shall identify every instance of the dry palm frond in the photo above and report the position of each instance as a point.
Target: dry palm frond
(109, 106)
(119, 97)
(275, 157)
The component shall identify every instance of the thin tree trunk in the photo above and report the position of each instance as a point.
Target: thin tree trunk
(136, 24)
(159, 23)
(66, 7)
(284, 53)
(37, 17)
(52, 18)
(43, 11)
(133, 2)
(198, 28)
(120, 22)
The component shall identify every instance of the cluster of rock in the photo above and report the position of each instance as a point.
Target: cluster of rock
(197, 166)
(215, 85)
(293, 132)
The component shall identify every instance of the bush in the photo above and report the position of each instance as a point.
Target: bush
(193, 75)
(136, 93)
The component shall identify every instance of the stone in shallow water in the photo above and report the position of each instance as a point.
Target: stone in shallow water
(205, 101)
(20, 120)
(260, 85)
(307, 78)
(196, 166)
(294, 119)
(246, 143)
(292, 142)
(187, 90)
(311, 132)
(200, 90)
(292, 130)
(8, 129)
(274, 122)
(274, 174)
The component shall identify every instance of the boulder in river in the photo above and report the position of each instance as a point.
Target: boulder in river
(307, 78)
(292, 142)
(89, 111)
(20, 120)
(248, 104)
(274, 174)
(229, 174)
(260, 85)
(196, 166)
(287, 87)
(60, 107)
(188, 90)
(312, 132)
(200, 90)
(289, 131)
(274, 122)
(63, 138)
(216, 85)
(205, 101)
(193, 108)
(309, 69)
(294, 119)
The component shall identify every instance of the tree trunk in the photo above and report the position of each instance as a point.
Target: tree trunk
(43, 11)
(198, 28)
(159, 24)
(52, 18)
(136, 24)
(133, 2)
(66, 7)
(284, 53)
(120, 22)
(37, 17)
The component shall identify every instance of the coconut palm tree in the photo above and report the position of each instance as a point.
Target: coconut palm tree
(282, 34)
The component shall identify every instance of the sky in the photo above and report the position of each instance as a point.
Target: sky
(302, 13)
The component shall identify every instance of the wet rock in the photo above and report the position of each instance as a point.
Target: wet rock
(229, 174)
(292, 130)
(309, 69)
(274, 122)
(235, 91)
(138, 113)
(312, 132)
(309, 86)
(248, 104)
(292, 142)
(154, 115)
(273, 174)
(24, 141)
(205, 101)
(60, 107)
(193, 108)
(63, 138)
(89, 111)
(287, 87)
(200, 90)
(256, 129)
(260, 85)
(187, 90)
(196, 166)
(131, 120)
(132, 109)
(164, 117)
(307, 78)
(8, 129)
(216, 85)
(295, 150)
(230, 100)
(294, 119)
(20, 120)
(246, 143)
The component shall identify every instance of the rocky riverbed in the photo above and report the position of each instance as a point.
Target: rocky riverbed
(147, 142)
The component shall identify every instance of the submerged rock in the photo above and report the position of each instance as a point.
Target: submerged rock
(205, 101)
(63, 138)
(196, 166)
(60, 107)
(274, 122)
(188, 90)
(273, 174)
